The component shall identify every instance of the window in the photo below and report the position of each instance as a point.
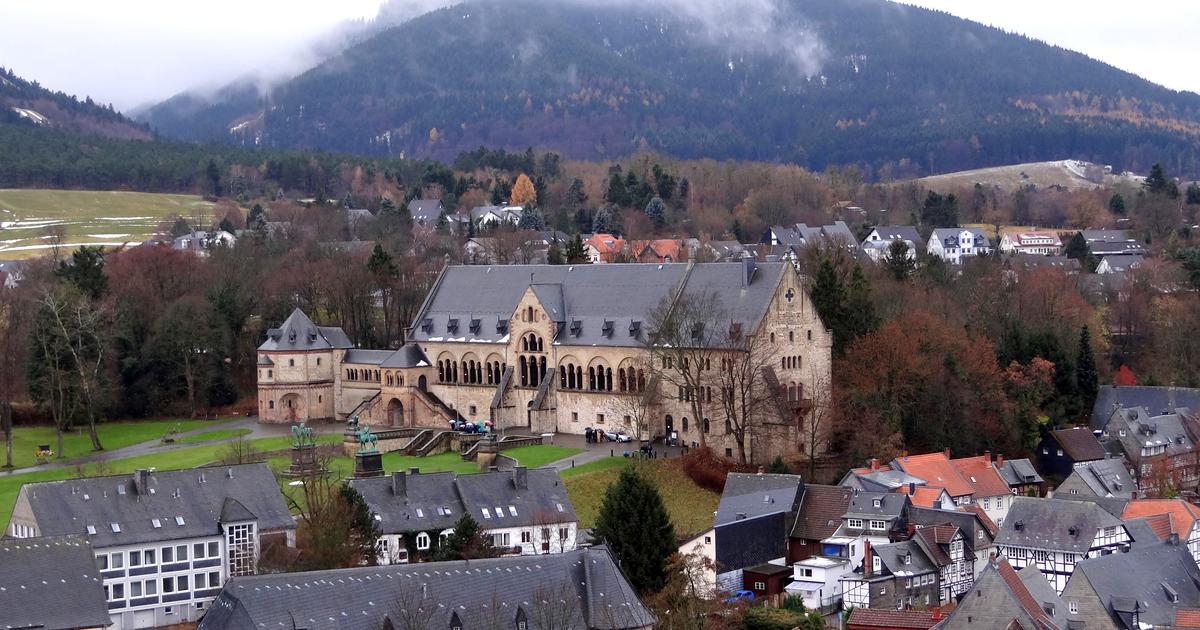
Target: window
(471, 409)
(563, 534)
(422, 541)
(1073, 607)
(168, 585)
(879, 525)
(118, 560)
(181, 553)
(148, 556)
(151, 587)
(214, 579)
(487, 513)
(135, 589)
(760, 586)
(198, 551)
(512, 510)
(118, 591)
(291, 363)
(1060, 452)
(102, 560)
(574, 416)
(167, 554)
(181, 583)
(500, 540)
(854, 523)
(213, 550)
(526, 536)
(599, 418)
(179, 521)
(318, 360)
(987, 504)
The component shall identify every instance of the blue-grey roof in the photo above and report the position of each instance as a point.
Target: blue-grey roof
(592, 295)
(184, 503)
(894, 556)
(748, 495)
(422, 502)
(425, 210)
(1157, 400)
(367, 357)
(1018, 472)
(1143, 429)
(50, 584)
(949, 236)
(409, 355)
(582, 589)
(1054, 524)
(891, 505)
(1106, 478)
(1148, 574)
(299, 333)
(1123, 262)
(889, 233)
(1109, 236)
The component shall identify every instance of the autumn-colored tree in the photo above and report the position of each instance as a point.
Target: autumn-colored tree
(523, 192)
(1125, 377)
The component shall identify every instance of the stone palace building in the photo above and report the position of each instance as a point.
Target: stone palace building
(552, 348)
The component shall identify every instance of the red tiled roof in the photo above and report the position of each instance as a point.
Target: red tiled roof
(936, 470)
(606, 243)
(1160, 524)
(979, 472)
(1183, 514)
(1079, 444)
(983, 518)
(922, 496)
(880, 618)
(1027, 600)
(1187, 617)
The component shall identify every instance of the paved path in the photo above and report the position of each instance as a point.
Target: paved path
(594, 452)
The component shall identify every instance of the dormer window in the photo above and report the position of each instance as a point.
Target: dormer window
(475, 326)
(501, 326)
(427, 324)
(576, 327)
(452, 325)
(635, 328)
(607, 329)
(876, 502)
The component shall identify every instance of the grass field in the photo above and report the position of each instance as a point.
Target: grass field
(113, 435)
(690, 506)
(87, 217)
(219, 434)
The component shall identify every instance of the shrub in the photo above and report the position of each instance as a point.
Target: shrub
(708, 469)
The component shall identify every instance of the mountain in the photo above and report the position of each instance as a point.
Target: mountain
(26, 103)
(898, 90)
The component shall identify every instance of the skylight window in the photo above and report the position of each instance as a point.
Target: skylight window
(447, 509)
(486, 513)
(559, 506)
(179, 521)
(91, 529)
(157, 523)
(121, 488)
(512, 510)
(499, 511)
(420, 513)
(116, 527)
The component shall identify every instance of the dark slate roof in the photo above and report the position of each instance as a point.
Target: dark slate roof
(820, 512)
(409, 355)
(197, 495)
(888, 233)
(891, 505)
(232, 511)
(1001, 599)
(1079, 444)
(586, 292)
(425, 210)
(51, 584)
(1019, 471)
(543, 500)
(1107, 478)
(367, 357)
(583, 588)
(1047, 524)
(1156, 400)
(893, 557)
(433, 494)
(1143, 428)
(1042, 593)
(1146, 574)
(1110, 236)
(299, 333)
(749, 495)
(1122, 262)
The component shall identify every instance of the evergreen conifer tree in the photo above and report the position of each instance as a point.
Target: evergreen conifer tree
(828, 296)
(657, 211)
(576, 253)
(1116, 204)
(633, 522)
(605, 219)
(364, 532)
(859, 311)
(1086, 378)
(466, 542)
(897, 260)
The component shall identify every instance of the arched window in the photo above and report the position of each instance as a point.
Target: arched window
(706, 425)
(422, 541)
(685, 424)
(791, 335)
(592, 378)
(641, 380)
(524, 372)
(441, 371)
(772, 337)
(621, 379)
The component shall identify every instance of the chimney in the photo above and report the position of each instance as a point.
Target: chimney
(1000, 460)
(988, 455)
(912, 488)
(521, 478)
(141, 481)
(947, 453)
(748, 266)
(1173, 539)
(398, 483)
(874, 463)
(866, 558)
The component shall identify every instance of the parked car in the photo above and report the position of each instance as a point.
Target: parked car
(617, 436)
(740, 596)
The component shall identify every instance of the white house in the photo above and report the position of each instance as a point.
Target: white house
(489, 216)
(954, 244)
(703, 548)
(165, 542)
(201, 242)
(879, 241)
(817, 580)
(1031, 242)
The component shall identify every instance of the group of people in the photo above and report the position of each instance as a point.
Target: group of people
(471, 427)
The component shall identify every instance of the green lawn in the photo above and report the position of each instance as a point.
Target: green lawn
(690, 506)
(87, 217)
(600, 464)
(113, 435)
(220, 434)
(540, 455)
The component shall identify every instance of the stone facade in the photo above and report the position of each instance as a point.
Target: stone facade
(512, 375)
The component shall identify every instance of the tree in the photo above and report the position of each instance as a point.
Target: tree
(616, 193)
(1078, 249)
(746, 396)
(634, 523)
(347, 201)
(576, 254)
(85, 271)
(335, 529)
(657, 211)
(523, 192)
(1087, 379)
(186, 348)
(75, 330)
(213, 173)
(685, 333)
(859, 311)
(531, 219)
(1125, 377)
(939, 210)
(1157, 182)
(605, 219)
(14, 346)
(1116, 204)
(829, 297)
(898, 260)
(576, 197)
(466, 542)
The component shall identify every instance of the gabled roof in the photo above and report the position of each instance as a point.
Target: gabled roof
(904, 558)
(1122, 262)
(1146, 574)
(984, 520)
(578, 589)
(1079, 444)
(1106, 478)
(981, 474)
(1149, 529)
(174, 504)
(1054, 524)
(428, 501)
(51, 583)
(232, 511)
(298, 333)
(1002, 598)
(1156, 399)
(889, 233)
(1018, 472)
(1111, 236)
(409, 355)
(820, 512)
(923, 496)
(935, 541)
(543, 500)
(425, 210)
(749, 495)
(877, 504)
(937, 470)
(1183, 514)
(1024, 596)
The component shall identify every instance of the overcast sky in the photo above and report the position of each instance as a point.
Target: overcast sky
(129, 52)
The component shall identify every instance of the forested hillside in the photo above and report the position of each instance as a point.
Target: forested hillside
(25, 103)
(898, 90)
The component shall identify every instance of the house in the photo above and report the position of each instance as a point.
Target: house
(818, 517)
(425, 212)
(979, 532)
(879, 619)
(11, 273)
(753, 519)
(1119, 263)
(582, 589)
(703, 550)
(817, 580)
(1020, 475)
(523, 511)
(766, 580)
(1054, 535)
(954, 244)
(201, 242)
(51, 583)
(1062, 450)
(1112, 242)
(727, 251)
(927, 496)
(801, 235)
(879, 241)
(663, 250)
(1037, 242)
(1003, 597)
(551, 348)
(604, 248)
(1159, 448)
(1154, 399)
(165, 541)
(1183, 519)
(896, 575)
(1106, 479)
(491, 216)
(1140, 589)
(966, 479)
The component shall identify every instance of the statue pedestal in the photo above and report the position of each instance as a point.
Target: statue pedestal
(486, 452)
(368, 464)
(304, 462)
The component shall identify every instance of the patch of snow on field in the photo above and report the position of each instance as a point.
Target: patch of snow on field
(27, 248)
(107, 236)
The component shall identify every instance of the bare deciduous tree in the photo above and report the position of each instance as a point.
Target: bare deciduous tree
(555, 607)
(746, 396)
(684, 337)
(635, 400)
(82, 326)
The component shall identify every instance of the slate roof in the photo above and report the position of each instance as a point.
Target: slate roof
(935, 540)
(1048, 523)
(984, 520)
(880, 618)
(1156, 399)
(750, 495)
(1002, 599)
(1106, 478)
(409, 355)
(1142, 429)
(1144, 574)
(51, 583)
(1018, 472)
(820, 512)
(1079, 444)
(491, 293)
(430, 501)
(367, 357)
(889, 233)
(1117, 263)
(1148, 529)
(1110, 236)
(937, 470)
(949, 236)
(891, 505)
(197, 497)
(576, 589)
(298, 333)
(425, 210)
(543, 500)
(882, 480)
(893, 557)
(1042, 594)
